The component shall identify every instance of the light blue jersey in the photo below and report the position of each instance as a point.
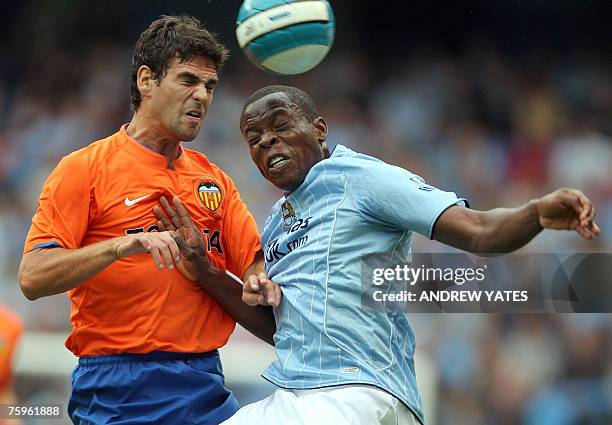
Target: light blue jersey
(349, 205)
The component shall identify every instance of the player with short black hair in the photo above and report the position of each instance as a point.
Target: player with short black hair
(297, 97)
(171, 37)
(338, 363)
(146, 335)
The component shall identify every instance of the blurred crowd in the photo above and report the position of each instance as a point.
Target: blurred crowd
(544, 369)
(493, 129)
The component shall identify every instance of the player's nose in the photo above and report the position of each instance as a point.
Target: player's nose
(200, 94)
(268, 139)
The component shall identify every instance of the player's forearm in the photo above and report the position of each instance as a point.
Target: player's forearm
(53, 271)
(228, 293)
(507, 229)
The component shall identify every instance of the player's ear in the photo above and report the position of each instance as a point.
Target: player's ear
(321, 127)
(144, 80)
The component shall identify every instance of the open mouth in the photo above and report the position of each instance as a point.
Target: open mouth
(277, 161)
(194, 114)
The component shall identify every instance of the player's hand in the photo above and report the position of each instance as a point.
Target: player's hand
(176, 218)
(260, 290)
(187, 236)
(161, 245)
(568, 209)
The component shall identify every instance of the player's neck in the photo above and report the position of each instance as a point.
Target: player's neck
(152, 137)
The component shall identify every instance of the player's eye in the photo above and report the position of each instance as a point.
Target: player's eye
(253, 141)
(281, 126)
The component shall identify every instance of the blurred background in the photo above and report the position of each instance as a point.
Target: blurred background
(498, 101)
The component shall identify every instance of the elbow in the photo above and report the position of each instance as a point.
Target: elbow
(28, 288)
(28, 284)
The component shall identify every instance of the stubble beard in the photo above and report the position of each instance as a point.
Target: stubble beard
(187, 132)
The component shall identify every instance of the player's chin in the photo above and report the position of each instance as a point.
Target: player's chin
(277, 181)
(188, 133)
(285, 172)
(283, 181)
(288, 185)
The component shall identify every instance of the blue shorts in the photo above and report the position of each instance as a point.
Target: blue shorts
(157, 388)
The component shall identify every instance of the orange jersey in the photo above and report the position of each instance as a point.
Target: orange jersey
(108, 189)
(10, 331)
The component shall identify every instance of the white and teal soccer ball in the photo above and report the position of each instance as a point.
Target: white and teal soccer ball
(285, 36)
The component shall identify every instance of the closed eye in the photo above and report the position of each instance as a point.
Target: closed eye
(281, 126)
(188, 79)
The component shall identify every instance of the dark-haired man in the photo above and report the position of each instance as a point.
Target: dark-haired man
(337, 363)
(147, 337)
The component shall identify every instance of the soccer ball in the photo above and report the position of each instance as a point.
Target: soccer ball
(285, 36)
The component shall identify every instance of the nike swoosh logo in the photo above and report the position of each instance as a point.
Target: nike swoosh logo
(129, 202)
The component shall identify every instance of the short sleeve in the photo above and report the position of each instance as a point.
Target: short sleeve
(395, 197)
(240, 233)
(62, 215)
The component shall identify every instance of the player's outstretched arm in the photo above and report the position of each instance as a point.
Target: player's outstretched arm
(259, 319)
(503, 230)
(51, 271)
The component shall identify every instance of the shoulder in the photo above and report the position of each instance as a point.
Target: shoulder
(371, 182)
(359, 167)
(95, 153)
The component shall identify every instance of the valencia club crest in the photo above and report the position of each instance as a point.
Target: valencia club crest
(210, 195)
